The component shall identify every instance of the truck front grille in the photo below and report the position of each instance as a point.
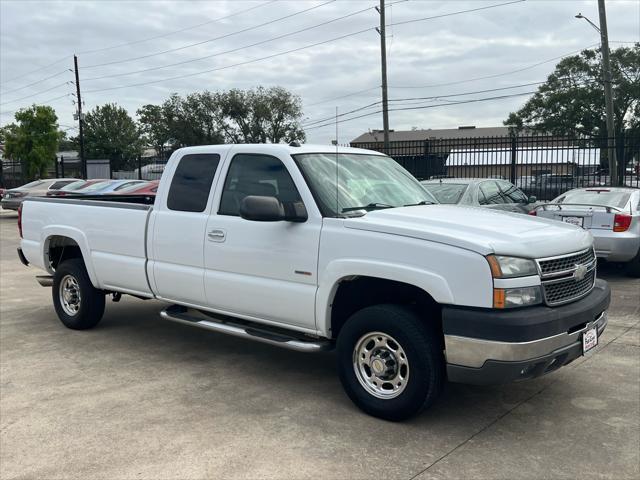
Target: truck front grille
(568, 289)
(557, 265)
(568, 277)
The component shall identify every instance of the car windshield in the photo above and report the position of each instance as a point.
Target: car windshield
(369, 181)
(74, 186)
(95, 187)
(595, 197)
(449, 193)
(33, 184)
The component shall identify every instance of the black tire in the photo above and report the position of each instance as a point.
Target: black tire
(90, 306)
(422, 345)
(633, 267)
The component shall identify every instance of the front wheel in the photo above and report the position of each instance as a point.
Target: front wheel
(77, 302)
(390, 362)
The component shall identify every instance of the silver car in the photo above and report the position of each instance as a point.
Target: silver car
(612, 215)
(38, 188)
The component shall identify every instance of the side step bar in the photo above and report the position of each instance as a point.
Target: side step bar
(234, 327)
(45, 280)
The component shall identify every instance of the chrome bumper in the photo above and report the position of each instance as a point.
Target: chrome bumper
(475, 352)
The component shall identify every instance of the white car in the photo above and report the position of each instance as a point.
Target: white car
(318, 247)
(612, 215)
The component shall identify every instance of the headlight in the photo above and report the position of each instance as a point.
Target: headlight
(516, 297)
(510, 267)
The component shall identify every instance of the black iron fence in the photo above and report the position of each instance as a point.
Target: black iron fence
(541, 165)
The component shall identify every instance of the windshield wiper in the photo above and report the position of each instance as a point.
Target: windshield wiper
(371, 206)
(423, 202)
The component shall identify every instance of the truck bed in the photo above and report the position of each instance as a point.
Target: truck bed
(111, 232)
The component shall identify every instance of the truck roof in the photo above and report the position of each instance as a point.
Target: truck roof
(280, 148)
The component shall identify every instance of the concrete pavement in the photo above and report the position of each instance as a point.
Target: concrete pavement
(138, 397)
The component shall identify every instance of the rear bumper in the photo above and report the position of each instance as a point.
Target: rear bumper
(11, 203)
(504, 346)
(615, 246)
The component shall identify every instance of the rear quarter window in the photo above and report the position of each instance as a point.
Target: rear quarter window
(191, 182)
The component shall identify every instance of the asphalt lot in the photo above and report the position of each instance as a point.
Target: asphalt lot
(138, 397)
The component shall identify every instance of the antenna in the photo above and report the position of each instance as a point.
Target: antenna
(337, 184)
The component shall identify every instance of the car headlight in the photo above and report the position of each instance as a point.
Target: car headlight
(516, 297)
(511, 267)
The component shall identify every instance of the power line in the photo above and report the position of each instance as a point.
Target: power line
(436, 97)
(262, 42)
(208, 40)
(39, 81)
(34, 71)
(136, 42)
(343, 96)
(293, 50)
(39, 103)
(424, 107)
(454, 13)
(37, 93)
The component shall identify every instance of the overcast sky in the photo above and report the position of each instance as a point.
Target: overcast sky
(438, 57)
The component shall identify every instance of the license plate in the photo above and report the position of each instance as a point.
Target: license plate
(589, 340)
(577, 221)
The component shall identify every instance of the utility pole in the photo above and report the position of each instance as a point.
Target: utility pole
(383, 58)
(608, 93)
(83, 161)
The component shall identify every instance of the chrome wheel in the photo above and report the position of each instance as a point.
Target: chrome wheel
(70, 295)
(381, 365)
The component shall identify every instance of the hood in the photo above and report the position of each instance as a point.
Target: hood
(479, 229)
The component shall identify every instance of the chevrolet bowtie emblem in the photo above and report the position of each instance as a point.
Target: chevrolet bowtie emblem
(580, 272)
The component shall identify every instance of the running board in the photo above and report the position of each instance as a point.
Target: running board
(45, 280)
(259, 333)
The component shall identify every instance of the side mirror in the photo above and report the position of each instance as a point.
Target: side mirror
(533, 199)
(269, 209)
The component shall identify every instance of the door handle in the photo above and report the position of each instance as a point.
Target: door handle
(216, 235)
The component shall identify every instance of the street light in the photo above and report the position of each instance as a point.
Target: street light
(579, 15)
(608, 91)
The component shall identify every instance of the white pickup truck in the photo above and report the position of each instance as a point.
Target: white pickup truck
(313, 247)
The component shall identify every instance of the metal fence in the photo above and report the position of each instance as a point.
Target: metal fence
(541, 165)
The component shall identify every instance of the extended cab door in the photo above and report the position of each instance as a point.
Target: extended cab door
(262, 270)
(176, 257)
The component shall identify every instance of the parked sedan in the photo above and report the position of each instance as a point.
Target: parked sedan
(108, 187)
(612, 215)
(13, 198)
(482, 192)
(73, 187)
(146, 188)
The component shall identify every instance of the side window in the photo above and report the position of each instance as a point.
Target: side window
(60, 184)
(512, 194)
(251, 174)
(191, 182)
(491, 194)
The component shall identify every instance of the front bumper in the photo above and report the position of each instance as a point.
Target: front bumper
(485, 346)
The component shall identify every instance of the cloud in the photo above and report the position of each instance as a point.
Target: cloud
(443, 50)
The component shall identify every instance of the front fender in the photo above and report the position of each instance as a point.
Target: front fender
(434, 284)
(77, 236)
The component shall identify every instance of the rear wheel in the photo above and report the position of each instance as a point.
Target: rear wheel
(633, 267)
(77, 302)
(390, 363)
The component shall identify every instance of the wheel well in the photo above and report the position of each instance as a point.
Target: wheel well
(356, 293)
(61, 248)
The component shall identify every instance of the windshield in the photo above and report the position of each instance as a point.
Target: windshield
(33, 184)
(95, 186)
(74, 186)
(449, 193)
(372, 181)
(595, 197)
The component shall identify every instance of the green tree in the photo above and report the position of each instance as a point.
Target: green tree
(260, 115)
(109, 132)
(154, 127)
(571, 101)
(33, 140)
